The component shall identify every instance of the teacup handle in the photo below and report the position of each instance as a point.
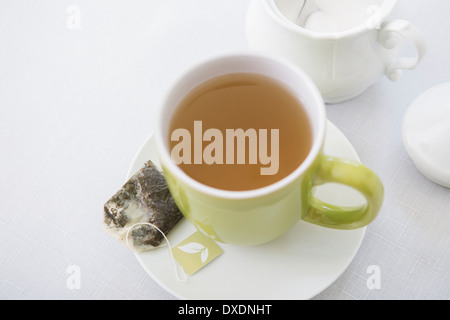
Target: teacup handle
(389, 38)
(352, 174)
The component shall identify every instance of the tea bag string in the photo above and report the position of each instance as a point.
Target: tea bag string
(181, 279)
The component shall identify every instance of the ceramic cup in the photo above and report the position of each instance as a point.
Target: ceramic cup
(342, 64)
(258, 216)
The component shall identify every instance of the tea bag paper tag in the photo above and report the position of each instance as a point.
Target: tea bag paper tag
(196, 252)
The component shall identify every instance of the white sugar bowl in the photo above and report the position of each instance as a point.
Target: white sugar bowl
(343, 64)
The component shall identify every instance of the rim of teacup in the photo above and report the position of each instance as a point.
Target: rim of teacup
(272, 8)
(178, 173)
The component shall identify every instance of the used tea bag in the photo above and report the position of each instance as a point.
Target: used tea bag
(142, 204)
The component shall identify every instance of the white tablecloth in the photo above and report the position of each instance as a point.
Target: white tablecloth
(79, 84)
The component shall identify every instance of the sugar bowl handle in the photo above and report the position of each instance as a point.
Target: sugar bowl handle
(390, 36)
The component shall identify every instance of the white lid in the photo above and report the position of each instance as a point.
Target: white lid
(426, 134)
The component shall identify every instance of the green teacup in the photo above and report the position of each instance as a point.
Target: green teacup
(262, 215)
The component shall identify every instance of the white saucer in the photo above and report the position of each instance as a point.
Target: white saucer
(299, 265)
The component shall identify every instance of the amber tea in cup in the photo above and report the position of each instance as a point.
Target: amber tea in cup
(240, 131)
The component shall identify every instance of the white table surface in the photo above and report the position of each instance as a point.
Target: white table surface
(77, 103)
